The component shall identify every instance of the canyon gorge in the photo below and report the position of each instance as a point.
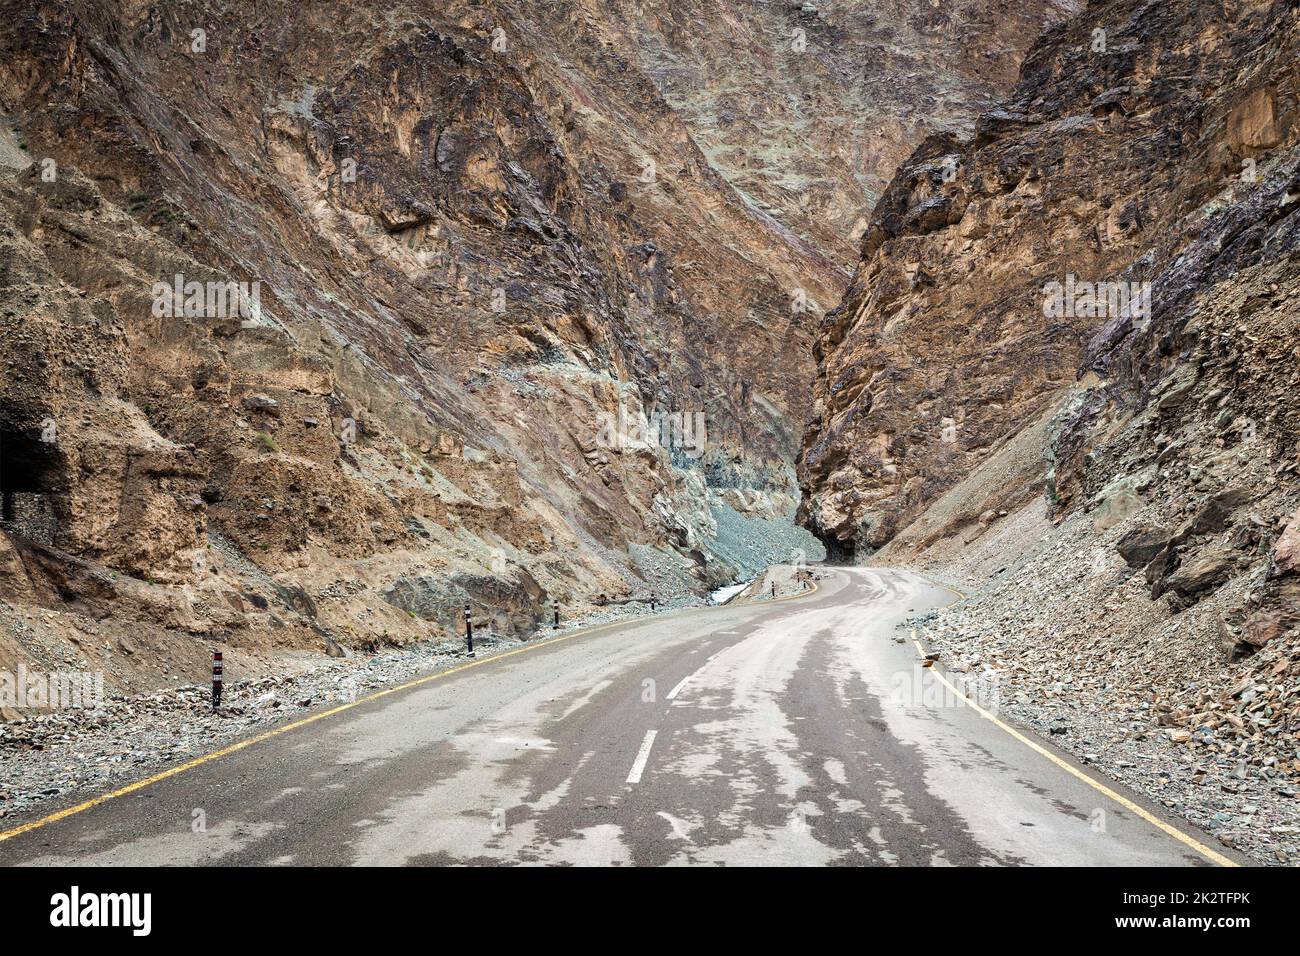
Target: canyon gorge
(322, 323)
(524, 307)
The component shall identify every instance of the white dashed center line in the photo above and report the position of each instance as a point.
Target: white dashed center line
(642, 755)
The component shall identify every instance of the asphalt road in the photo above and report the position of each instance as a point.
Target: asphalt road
(796, 732)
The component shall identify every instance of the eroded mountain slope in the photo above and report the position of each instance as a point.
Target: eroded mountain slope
(808, 108)
(477, 247)
(1128, 165)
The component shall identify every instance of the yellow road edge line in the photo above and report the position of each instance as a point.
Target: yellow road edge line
(1097, 785)
(250, 741)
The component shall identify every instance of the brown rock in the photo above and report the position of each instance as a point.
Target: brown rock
(1202, 573)
(952, 339)
(1269, 624)
(1286, 552)
(1141, 544)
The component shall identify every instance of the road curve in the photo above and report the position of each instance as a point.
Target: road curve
(795, 733)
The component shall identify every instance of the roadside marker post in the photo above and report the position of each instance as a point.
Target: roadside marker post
(245, 742)
(469, 632)
(773, 589)
(654, 601)
(557, 616)
(216, 679)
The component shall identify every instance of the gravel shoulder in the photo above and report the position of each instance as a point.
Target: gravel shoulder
(49, 758)
(1075, 649)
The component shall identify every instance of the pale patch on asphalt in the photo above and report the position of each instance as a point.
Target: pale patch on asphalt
(183, 847)
(835, 770)
(882, 846)
(586, 698)
(600, 845)
(790, 845)
(283, 794)
(891, 798)
(681, 829)
(694, 764)
(517, 743)
(847, 806)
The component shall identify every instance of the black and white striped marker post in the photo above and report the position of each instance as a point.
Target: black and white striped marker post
(557, 616)
(216, 679)
(469, 632)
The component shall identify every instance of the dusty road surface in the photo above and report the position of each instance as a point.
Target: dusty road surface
(789, 732)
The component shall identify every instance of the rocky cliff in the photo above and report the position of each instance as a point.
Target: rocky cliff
(808, 108)
(323, 320)
(1065, 371)
(1142, 160)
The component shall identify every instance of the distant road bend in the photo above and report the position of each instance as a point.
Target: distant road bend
(796, 732)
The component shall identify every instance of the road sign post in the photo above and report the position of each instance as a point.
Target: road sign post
(469, 632)
(216, 679)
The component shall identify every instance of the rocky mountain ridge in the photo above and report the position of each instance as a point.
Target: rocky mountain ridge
(323, 321)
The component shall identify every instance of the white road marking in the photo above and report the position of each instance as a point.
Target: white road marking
(680, 684)
(687, 679)
(642, 755)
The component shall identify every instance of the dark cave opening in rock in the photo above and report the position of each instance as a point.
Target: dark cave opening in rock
(839, 552)
(31, 479)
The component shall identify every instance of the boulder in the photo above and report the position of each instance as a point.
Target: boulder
(1203, 573)
(1158, 569)
(1141, 544)
(261, 403)
(1286, 552)
(1266, 625)
(1214, 515)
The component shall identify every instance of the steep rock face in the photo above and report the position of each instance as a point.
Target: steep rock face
(808, 108)
(1145, 143)
(322, 320)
